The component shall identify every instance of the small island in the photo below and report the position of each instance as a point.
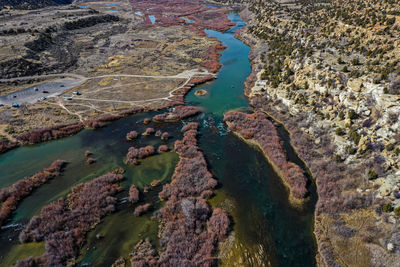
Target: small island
(200, 92)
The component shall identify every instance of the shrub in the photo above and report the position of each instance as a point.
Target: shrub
(387, 208)
(63, 224)
(372, 174)
(397, 211)
(354, 136)
(355, 61)
(352, 115)
(341, 115)
(131, 135)
(134, 194)
(258, 127)
(148, 131)
(390, 147)
(339, 131)
(11, 196)
(338, 158)
(178, 113)
(51, 133)
(162, 148)
(190, 234)
(134, 154)
(142, 209)
(351, 150)
(164, 136)
(191, 175)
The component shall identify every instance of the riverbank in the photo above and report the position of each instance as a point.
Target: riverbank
(123, 76)
(257, 130)
(276, 233)
(343, 186)
(246, 171)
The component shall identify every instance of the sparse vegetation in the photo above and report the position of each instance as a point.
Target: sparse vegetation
(387, 208)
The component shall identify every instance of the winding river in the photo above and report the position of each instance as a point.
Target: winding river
(267, 231)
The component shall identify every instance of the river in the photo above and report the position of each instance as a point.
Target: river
(267, 231)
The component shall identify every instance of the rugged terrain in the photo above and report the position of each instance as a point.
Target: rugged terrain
(31, 4)
(73, 63)
(329, 72)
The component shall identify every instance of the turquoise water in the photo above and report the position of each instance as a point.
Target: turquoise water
(268, 231)
(214, 6)
(187, 20)
(152, 19)
(111, 11)
(226, 92)
(139, 13)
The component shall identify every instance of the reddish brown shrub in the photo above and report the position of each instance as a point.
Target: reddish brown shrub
(90, 161)
(109, 117)
(162, 148)
(190, 235)
(212, 58)
(134, 194)
(131, 135)
(219, 222)
(134, 154)
(131, 111)
(47, 134)
(176, 114)
(258, 127)
(330, 176)
(142, 209)
(95, 124)
(187, 241)
(190, 126)
(206, 194)
(63, 224)
(200, 80)
(165, 136)
(148, 131)
(12, 195)
(191, 176)
(6, 145)
(143, 253)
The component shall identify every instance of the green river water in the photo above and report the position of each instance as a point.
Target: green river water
(267, 231)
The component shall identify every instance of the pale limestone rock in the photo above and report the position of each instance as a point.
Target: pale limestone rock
(390, 247)
(355, 84)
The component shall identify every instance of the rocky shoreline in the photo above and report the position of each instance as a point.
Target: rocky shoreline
(342, 187)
